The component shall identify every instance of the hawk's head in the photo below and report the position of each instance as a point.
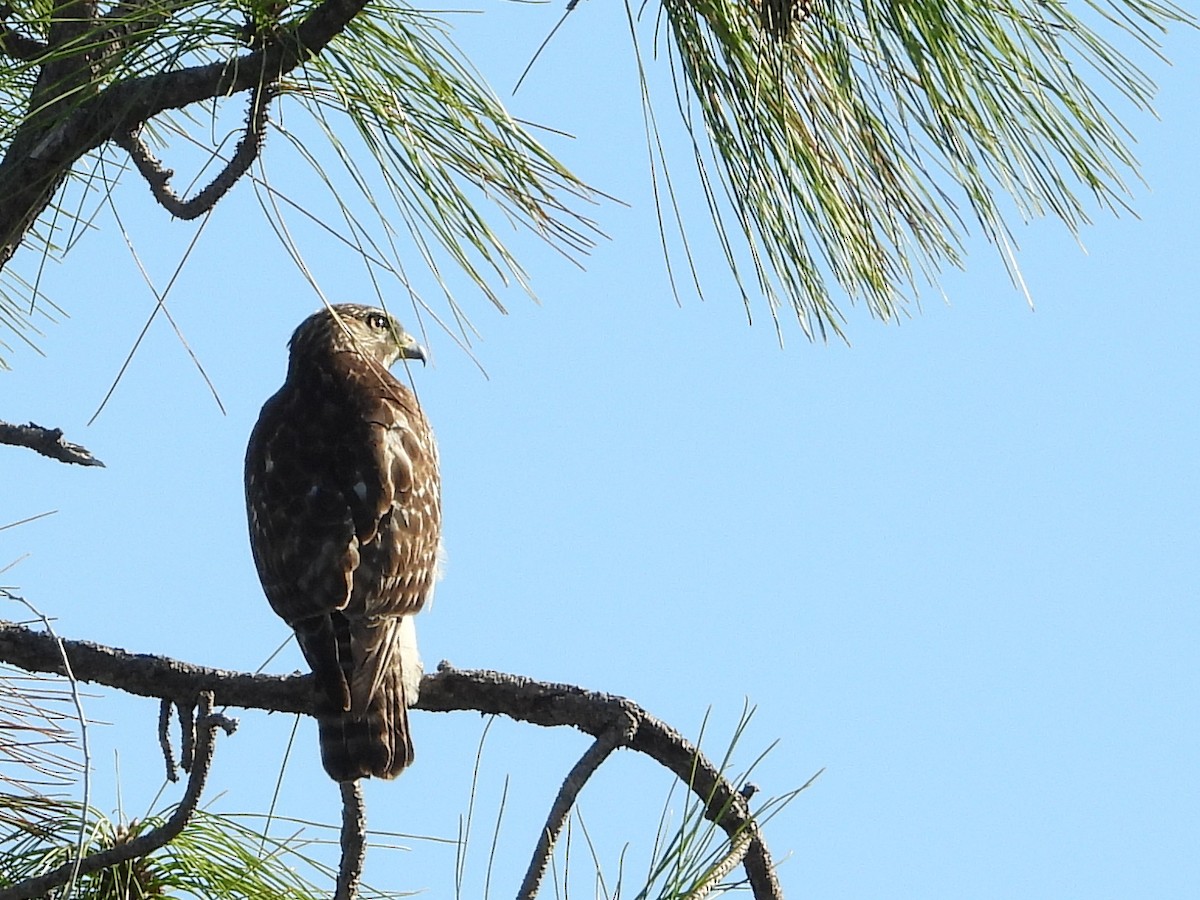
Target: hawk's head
(352, 328)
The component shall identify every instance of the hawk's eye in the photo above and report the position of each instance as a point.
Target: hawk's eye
(378, 320)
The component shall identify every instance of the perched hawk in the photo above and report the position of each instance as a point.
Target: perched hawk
(344, 502)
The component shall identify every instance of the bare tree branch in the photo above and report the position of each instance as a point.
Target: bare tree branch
(737, 852)
(449, 690)
(543, 703)
(146, 843)
(159, 677)
(164, 739)
(248, 148)
(354, 840)
(46, 145)
(187, 734)
(48, 442)
(571, 786)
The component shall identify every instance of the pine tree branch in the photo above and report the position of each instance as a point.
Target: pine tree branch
(549, 704)
(737, 853)
(449, 690)
(571, 786)
(159, 177)
(45, 147)
(353, 840)
(48, 442)
(147, 843)
(165, 708)
(160, 677)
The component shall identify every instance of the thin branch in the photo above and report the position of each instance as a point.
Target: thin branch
(187, 734)
(736, 854)
(48, 442)
(145, 844)
(127, 104)
(145, 675)
(45, 146)
(248, 148)
(596, 754)
(354, 840)
(450, 690)
(548, 704)
(164, 739)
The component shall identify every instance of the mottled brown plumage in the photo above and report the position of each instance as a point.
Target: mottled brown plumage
(344, 503)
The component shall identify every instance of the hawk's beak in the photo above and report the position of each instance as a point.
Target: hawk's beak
(413, 350)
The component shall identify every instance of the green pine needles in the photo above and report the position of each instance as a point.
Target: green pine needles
(847, 154)
(844, 147)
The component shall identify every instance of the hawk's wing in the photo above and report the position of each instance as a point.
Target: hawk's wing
(344, 511)
(398, 552)
(400, 491)
(301, 528)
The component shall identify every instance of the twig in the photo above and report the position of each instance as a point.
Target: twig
(48, 442)
(145, 844)
(45, 146)
(164, 739)
(737, 853)
(354, 840)
(128, 103)
(159, 177)
(571, 786)
(543, 703)
(187, 734)
(450, 690)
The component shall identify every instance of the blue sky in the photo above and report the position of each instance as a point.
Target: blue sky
(953, 564)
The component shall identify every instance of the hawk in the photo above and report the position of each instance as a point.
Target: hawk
(344, 503)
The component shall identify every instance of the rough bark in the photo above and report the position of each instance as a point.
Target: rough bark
(524, 699)
(69, 115)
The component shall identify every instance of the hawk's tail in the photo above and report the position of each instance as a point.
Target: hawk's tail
(381, 665)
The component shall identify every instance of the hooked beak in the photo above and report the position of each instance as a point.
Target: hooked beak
(413, 350)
